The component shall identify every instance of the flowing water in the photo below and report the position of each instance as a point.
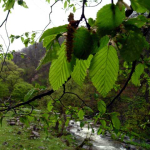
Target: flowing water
(99, 142)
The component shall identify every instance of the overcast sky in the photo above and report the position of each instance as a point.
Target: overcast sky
(36, 17)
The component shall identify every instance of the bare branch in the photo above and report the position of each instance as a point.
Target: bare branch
(96, 4)
(49, 18)
(5, 18)
(29, 101)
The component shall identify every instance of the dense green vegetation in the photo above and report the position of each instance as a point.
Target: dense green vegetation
(19, 138)
(99, 71)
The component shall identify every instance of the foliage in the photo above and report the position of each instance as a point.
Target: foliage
(104, 64)
(108, 18)
(11, 82)
(20, 90)
(4, 90)
(11, 74)
(113, 39)
(23, 142)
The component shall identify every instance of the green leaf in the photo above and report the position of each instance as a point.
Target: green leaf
(29, 94)
(108, 18)
(60, 70)
(99, 131)
(104, 69)
(115, 120)
(82, 124)
(27, 34)
(50, 55)
(10, 56)
(137, 73)
(12, 40)
(24, 4)
(139, 69)
(118, 134)
(22, 39)
(80, 70)
(101, 106)
(48, 1)
(103, 122)
(65, 4)
(140, 6)
(139, 21)
(132, 46)
(92, 129)
(81, 114)
(113, 136)
(88, 109)
(47, 42)
(95, 42)
(82, 43)
(91, 22)
(26, 42)
(9, 4)
(104, 41)
(144, 3)
(122, 137)
(17, 37)
(55, 30)
(137, 6)
(74, 9)
(49, 105)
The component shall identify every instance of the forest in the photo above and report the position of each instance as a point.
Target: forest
(84, 85)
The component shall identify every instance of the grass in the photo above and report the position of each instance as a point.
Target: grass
(10, 140)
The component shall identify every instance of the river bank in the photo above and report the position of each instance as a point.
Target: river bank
(91, 141)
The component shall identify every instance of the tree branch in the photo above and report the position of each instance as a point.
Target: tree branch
(29, 101)
(125, 85)
(5, 18)
(83, 16)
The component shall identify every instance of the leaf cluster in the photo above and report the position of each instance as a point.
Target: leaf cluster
(95, 50)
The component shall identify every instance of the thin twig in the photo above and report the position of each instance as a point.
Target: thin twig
(78, 97)
(49, 19)
(5, 18)
(125, 85)
(8, 45)
(96, 4)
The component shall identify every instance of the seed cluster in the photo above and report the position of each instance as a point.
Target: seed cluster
(69, 42)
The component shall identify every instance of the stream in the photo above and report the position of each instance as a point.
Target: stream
(99, 142)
